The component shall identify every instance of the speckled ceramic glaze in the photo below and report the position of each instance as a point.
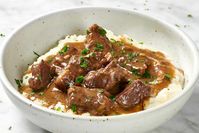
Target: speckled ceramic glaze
(42, 33)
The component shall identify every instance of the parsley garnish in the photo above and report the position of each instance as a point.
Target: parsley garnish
(83, 62)
(113, 40)
(58, 109)
(177, 25)
(85, 51)
(101, 31)
(135, 72)
(41, 93)
(79, 79)
(99, 47)
(112, 98)
(146, 74)
(101, 90)
(73, 107)
(132, 55)
(88, 32)
(36, 54)
(141, 42)
(2, 35)
(189, 15)
(63, 50)
(18, 82)
(167, 76)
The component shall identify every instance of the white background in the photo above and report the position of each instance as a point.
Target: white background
(16, 12)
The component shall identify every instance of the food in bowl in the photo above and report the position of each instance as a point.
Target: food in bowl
(101, 74)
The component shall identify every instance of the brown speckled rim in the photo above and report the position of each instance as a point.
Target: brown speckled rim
(24, 100)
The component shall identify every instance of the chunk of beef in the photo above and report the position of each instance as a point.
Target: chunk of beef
(97, 42)
(60, 61)
(68, 75)
(89, 100)
(133, 94)
(110, 78)
(41, 76)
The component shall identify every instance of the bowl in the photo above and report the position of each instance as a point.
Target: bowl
(41, 34)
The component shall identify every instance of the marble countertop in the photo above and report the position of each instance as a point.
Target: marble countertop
(182, 13)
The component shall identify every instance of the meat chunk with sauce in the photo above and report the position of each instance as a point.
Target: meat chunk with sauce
(97, 41)
(41, 76)
(89, 100)
(112, 78)
(133, 94)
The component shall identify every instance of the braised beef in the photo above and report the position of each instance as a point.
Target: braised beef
(133, 94)
(41, 76)
(110, 78)
(88, 100)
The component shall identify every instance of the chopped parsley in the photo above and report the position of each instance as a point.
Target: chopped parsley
(135, 72)
(113, 40)
(112, 98)
(141, 42)
(2, 35)
(177, 25)
(167, 76)
(41, 93)
(63, 50)
(39, 77)
(146, 74)
(119, 43)
(85, 51)
(101, 90)
(99, 47)
(79, 79)
(18, 82)
(83, 62)
(36, 54)
(92, 54)
(132, 55)
(189, 15)
(88, 32)
(73, 107)
(101, 31)
(58, 109)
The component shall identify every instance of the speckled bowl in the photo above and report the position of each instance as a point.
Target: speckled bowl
(41, 33)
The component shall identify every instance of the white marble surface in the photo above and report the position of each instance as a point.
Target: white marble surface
(16, 12)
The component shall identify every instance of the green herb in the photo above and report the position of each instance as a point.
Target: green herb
(132, 55)
(63, 50)
(189, 15)
(99, 47)
(74, 107)
(41, 93)
(83, 62)
(177, 25)
(112, 98)
(18, 82)
(130, 81)
(26, 77)
(32, 93)
(58, 109)
(123, 52)
(92, 54)
(135, 72)
(2, 35)
(119, 43)
(36, 54)
(146, 74)
(88, 32)
(113, 40)
(85, 51)
(39, 77)
(101, 90)
(167, 76)
(101, 31)
(79, 79)
(112, 53)
(141, 42)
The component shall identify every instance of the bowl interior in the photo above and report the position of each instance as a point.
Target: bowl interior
(43, 33)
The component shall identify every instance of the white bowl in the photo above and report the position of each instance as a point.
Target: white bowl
(41, 33)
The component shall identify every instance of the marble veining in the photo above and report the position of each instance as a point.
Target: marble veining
(182, 13)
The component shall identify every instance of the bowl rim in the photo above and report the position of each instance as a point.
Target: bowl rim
(8, 86)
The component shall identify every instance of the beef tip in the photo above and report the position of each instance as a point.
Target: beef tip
(60, 61)
(68, 75)
(89, 100)
(41, 76)
(133, 94)
(112, 78)
(97, 41)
